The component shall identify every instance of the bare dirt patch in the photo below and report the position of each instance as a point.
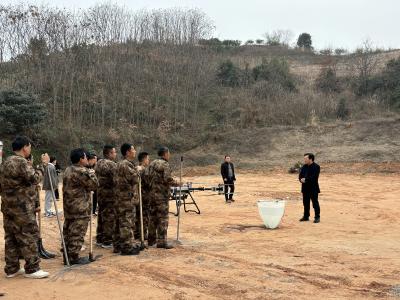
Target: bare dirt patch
(227, 254)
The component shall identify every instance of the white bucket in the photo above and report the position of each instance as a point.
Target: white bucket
(271, 212)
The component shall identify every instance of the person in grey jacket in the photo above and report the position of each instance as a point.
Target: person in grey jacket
(49, 171)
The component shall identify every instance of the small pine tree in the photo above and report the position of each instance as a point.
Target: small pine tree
(228, 74)
(20, 112)
(304, 41)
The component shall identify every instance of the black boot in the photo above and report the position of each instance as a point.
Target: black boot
(78, 261)
(165, 246)
(151, 242)
(304, 219)
(132, 251)
(317, 220)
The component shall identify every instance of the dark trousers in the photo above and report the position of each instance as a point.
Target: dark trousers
(57, 194)
(229, 189)
(306, 203)
(94, 207)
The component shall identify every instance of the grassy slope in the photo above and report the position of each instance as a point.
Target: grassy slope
(376, 140)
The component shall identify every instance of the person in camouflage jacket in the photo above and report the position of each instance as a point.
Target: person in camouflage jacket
(18, 181)
(159, 178)
(105, 172)
(78, 182)
(144, 161)
(126, 198)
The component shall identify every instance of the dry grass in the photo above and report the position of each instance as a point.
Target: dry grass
(374, 141)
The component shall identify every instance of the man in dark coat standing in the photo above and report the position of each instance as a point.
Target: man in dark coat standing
(308, 177)
(228, 175)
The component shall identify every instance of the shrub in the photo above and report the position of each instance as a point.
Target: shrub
(328, 82)
(231, 43)
(276, 71)
(20, 112)
(304, 41)
(210, 42)
(387, 84)
(342, 110)
(228, 74)
(340, 51)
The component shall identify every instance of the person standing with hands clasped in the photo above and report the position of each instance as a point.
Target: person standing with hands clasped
(308, 177)
(228, 175)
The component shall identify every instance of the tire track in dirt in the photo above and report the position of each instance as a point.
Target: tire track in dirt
(148, 270)
(314, 278)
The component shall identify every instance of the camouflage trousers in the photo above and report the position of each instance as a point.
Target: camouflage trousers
(105, 219)
(74, 231)
(158, 221)
(124, 228)
(21, 237)
(146, 216)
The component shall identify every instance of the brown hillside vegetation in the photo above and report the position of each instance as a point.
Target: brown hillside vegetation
(307, 64)
(376, 140)
(97, 82)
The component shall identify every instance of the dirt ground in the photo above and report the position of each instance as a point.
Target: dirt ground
(227, 254)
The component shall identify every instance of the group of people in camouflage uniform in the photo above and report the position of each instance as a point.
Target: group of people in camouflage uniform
(117, 186)
(118, 199)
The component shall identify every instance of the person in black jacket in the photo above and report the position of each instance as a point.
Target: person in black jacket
(228, 175)
(53, 160)
(308, 177)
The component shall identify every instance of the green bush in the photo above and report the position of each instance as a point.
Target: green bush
(213, 43)
(231, 43)
(304, 41)
(395, 98)
(340, 51)
(276, 71)
(328, 82)
(20, 112)
(228, 74)
(387, 84)
(391, 82)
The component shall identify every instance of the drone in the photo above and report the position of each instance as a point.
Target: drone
(184, 195)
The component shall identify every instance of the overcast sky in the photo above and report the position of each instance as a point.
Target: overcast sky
(332, 23)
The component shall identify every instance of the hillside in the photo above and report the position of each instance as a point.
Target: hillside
(373, 140)
(307, 64)
(357, 139)
(102, 83)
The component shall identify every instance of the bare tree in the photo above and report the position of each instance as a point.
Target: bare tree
(279, 37)
(363, 64)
